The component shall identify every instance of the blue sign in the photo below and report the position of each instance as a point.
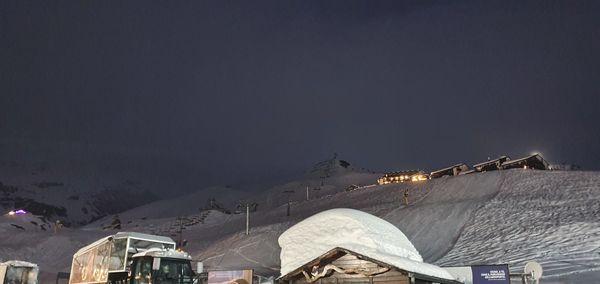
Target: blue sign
(490, 274)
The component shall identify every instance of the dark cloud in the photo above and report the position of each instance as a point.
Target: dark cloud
(261, 89)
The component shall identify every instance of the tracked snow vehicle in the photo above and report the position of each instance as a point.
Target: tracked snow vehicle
(133, 258)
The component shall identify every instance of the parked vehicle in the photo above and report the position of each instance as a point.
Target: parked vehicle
(133, 258)
(18, 272)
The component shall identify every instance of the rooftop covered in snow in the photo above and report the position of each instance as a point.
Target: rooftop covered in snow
(535, 161)
(355, 232)
(150, 239)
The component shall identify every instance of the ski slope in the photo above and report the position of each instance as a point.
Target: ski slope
(551, 217)
(508, 216)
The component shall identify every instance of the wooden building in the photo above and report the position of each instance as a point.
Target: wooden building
(344, 245)
(339, 266)
(403, 176)
(535, 161)
(467, 172)
(491, 165)
(450, 171)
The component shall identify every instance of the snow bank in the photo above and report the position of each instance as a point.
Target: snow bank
(356, 231)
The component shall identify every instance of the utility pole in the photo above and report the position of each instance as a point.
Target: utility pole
(247, 219)
(307, 193)
(180, 232)
(289, 192)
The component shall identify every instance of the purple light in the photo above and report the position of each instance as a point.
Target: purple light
(20, 212)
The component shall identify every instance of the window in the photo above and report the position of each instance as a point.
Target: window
(20, 275)
(174, 271)
(117, 256)
(143, 271)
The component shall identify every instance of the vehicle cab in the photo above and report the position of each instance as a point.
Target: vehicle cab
(161, 266)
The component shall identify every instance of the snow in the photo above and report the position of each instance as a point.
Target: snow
(448, 203)
(19, 263)
(160, 252)
(128, 235)
(489, 162)
(558, 212)
(356, 231)
(187, 204)
(547, 216)
(508, 216)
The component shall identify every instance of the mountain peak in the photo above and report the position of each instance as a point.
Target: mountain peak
(331, 167)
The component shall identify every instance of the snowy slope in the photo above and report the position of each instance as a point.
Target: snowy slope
(449, 204)
(323, 179)
(507, 216)
(52, 251)
(552, 217)
(223, 198)
(496, 217)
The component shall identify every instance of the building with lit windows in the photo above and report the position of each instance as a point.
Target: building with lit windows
(403, 176)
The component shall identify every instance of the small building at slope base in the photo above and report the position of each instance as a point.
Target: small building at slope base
(350, 246)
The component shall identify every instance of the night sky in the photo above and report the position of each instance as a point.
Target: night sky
(244, 91)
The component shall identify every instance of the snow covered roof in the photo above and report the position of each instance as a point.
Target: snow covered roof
(168, 253)
(499, 159)
(142, 236)
(19, 263)
(461, 165)
(409, 173)
(123, 235)
(354, 231)
(534, 156)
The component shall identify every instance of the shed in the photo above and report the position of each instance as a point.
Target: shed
(450, 171)
(491, 165)
(535, 161)
(341, 265)
(350, 246)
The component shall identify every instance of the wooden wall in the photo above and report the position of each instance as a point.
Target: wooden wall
(350, 261)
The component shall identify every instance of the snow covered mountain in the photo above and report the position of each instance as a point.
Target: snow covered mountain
(510, 216)
(67, 193)
(333, 167)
